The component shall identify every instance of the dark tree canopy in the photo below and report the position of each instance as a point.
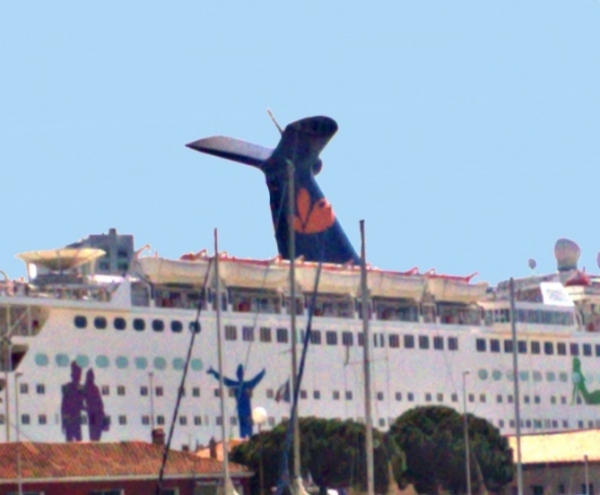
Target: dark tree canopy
(427, 448)
(332, 451)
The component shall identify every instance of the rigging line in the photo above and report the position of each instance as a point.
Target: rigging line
(196, 329)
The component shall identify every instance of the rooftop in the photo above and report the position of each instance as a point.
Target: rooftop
(103, 460)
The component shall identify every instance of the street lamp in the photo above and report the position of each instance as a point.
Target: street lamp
(259, 416)
(18, 423)
(587, 475)
(466, 427)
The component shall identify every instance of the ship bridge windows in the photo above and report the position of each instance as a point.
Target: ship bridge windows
(333, 305)
(388, 309)
(458, 314)
(255, 301)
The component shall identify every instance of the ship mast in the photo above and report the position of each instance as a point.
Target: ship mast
(227, 487)
(513, 325)
(296, 476)
(366, 363)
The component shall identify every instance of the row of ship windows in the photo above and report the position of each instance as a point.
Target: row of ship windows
(332, 338)
(550, 423)
(121, 362)
(40, 388)
(265, 334)
(536, 347)
(160, 420)
(138, 324)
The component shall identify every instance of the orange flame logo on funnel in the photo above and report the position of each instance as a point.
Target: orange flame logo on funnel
(312, 218)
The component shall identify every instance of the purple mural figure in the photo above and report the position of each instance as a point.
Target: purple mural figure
(72, 405)
(243, 393)
(94, 407)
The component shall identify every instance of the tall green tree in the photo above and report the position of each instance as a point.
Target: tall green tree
(333, 453)
(431, 442)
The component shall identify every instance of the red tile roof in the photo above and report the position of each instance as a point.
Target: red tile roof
(104, 460)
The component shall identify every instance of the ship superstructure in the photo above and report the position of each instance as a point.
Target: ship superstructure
(97, 356)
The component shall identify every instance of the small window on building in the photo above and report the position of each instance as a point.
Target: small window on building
(248, 334)
(265, 334)
(471, 397)
(282, 335)
(347, 338)
(499, 399)
(480, 345)
(145, 419)
(160, 420)
(574, 349)
(394, 340)
(454, 397)
(139, 324)
(80, 321)
(453, 343)
(561, 348)
(230, 332)
(100, 322)
(120, 323)
(195, 391)
(120, 390)
(303, 394)
(587, 349)
(42, 419)
(549, 348)
(508, 346)
(348, 394)
(336, 395)
(105, 389)
(176, 326)
(535, 347)
(158, 325)
(25, 419)
(197, 420)
(159, 391)
(409, 341)
(122, 419)
(438, 343)
(183, 420)
(315, 337)
(331, 337)
(316, 394)
(410, 397)
(482, 398)
(398, 396)
(143, 391)
(522, 347)
(423, 342)
(23, 388)
(379, 395)
(494, 345)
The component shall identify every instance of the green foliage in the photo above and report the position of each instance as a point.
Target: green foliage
(427, 449)
(332, 451)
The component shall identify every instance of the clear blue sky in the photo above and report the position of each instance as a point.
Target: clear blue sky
(469, 130)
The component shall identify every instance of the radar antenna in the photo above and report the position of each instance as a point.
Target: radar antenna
(279, 128)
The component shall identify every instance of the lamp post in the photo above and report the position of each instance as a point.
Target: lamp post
(259, 416)
(18, 423)
(466, 427)
(587, 475)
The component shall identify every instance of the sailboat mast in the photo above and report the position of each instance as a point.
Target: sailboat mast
(366, 362)
(227, 484)
(513, 324)
(294, 339)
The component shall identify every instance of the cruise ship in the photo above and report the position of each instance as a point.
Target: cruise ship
(97, 338)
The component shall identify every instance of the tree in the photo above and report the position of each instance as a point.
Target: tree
(431, 439)
(332, 451)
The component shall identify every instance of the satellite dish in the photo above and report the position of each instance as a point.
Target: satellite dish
(532, 263)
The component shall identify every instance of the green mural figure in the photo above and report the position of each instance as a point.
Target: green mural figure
(591, 398)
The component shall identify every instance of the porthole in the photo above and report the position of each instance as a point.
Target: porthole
(62, 360)
(141, 363)
(82, 360)
(195, 326)
(100, 322)
(178, 363)
(550, 376)
(139, 324)
(160, 363)
(524, 375)
(158, 325)
(196, 364)
(120, 323)
(102, 361)
(563, 376)
(482, 374)
(496, 375)
(122, 362)
(80, 321)
(537, 376)
(176, 326)
(41, 359)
